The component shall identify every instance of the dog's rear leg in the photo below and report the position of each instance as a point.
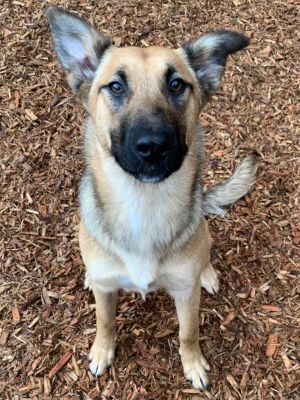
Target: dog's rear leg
(209, 279)
(194, 364)
(103, 349)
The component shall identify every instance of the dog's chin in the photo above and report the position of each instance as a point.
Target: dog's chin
(150, 173)
(151, 179)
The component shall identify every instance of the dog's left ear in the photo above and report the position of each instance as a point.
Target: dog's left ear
(207, 56)
(79, 47)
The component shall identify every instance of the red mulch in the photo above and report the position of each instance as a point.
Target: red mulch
(250, 330)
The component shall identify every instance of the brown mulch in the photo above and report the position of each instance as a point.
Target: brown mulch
(250, 330)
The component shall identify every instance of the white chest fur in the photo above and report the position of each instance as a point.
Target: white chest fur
(147, 216)
(133, 274)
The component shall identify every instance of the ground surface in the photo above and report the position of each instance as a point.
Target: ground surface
(250, 330)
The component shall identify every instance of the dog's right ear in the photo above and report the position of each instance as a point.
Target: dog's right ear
(79, 47)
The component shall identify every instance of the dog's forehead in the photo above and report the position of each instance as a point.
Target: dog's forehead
(139, 62)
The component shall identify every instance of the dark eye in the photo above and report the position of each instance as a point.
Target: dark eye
(116, 87)
(177, 86)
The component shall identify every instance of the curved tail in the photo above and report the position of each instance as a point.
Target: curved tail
(235, 187)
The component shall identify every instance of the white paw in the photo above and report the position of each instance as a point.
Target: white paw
(209, 280)
(101, 358)
(196, 371)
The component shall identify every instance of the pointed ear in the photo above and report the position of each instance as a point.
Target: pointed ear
(207, 56)
(79, 47)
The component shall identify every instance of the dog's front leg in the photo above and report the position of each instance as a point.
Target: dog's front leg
(194, 364)
(103, 349)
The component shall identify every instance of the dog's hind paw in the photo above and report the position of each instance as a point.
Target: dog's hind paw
(100, 357)
(209, 280)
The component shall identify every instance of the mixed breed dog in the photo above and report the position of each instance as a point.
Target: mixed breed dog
(142, 200)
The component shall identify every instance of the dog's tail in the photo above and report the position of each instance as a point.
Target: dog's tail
(232, 189)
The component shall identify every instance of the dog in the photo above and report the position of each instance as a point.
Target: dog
(142, 200)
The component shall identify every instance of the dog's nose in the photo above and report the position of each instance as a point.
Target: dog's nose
(153, 147)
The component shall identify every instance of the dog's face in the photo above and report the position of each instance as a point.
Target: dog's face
(144, 102)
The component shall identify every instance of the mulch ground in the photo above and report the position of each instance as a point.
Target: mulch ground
(250, 330)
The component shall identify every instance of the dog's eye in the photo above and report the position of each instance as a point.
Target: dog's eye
(177, 86)
(116, 88)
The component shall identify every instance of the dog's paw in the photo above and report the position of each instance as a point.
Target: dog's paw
(100, 357)
(195, 369)
(209, 280)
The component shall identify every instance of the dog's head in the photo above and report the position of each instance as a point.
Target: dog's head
(144, 102)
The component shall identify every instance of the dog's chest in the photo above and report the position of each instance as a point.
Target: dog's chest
(138, 276)
(131, 274)
(145, 220)
(134, 230)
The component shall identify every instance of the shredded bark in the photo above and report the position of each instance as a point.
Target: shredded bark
(45, 311)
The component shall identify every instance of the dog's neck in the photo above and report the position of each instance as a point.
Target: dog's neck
(119, 209)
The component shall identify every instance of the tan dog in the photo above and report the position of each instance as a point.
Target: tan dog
(142, 200)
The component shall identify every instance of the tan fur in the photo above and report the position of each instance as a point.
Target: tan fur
(145, 81)
(135, 235)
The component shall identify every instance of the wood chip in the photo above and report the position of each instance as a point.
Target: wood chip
(244, 381)
(272, 345)
(229, 318)
(218, 153)
(47, 386)
(31, 115)
(65, 358)
(270, 308)
(94, 393)
(163, 333)
(16, 315)
(29, 198)
(3, 338)
(231, 380)
(132, 366)
(265, 52)
(286, 360)
(191, 391)
(34, 365)
(46, 297)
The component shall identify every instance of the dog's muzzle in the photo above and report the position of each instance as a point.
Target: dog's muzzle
(150, 150)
